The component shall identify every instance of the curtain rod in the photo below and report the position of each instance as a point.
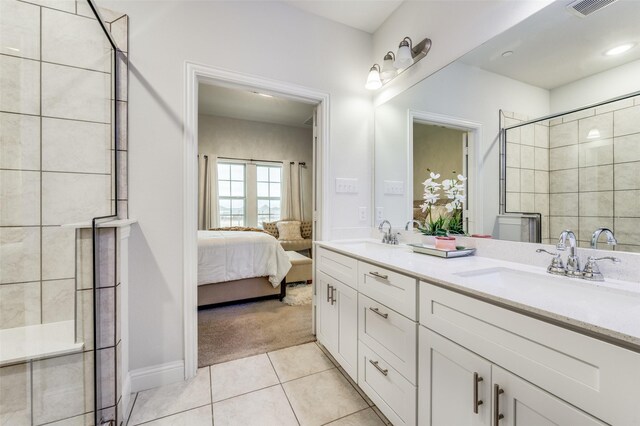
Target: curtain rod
(302, 163)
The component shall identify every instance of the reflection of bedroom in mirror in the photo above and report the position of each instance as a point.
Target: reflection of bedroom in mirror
(255, 227)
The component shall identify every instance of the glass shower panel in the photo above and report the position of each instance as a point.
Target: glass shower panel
(57, 167)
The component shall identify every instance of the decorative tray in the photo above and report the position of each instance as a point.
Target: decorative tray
(432, 251)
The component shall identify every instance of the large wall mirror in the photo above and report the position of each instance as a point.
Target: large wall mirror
(543, 122)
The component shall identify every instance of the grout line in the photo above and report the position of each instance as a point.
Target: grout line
(347, 415)
(169, 415)
(290, 405)
(55, 118)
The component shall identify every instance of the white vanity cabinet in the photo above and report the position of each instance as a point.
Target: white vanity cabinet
(337, 307)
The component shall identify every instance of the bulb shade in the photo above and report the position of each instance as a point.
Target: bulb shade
(388, 70)
(404, 59)
(373, 80)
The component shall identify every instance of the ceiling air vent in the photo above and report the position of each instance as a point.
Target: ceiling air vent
(584, 8)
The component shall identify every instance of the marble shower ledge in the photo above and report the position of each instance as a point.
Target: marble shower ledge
(32, 342)
(118, 223)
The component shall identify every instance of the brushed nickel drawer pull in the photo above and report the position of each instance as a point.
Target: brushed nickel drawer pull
(328, 293)
(496, 404)
(375, 364)
(379, 275)
(333, 295)
(377, 311)
(476, 402)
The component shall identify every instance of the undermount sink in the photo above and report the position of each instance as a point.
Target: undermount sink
(367, 245)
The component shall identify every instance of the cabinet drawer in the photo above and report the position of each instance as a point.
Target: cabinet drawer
(394, 290)
(595, 376)
(394, 395)
(338, 266)
(390, 334)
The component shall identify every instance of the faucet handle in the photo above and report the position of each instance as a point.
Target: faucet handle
(556, 267)
(591, 270)
(611, 258)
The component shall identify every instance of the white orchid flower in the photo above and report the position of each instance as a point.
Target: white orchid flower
(424, 207)
(462, 178)
(430, 198)
(449, 207)
(434, 175)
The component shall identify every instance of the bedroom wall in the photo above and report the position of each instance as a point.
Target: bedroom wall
(232, 137)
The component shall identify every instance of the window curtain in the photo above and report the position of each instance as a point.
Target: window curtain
(292, 198)
(207, 192)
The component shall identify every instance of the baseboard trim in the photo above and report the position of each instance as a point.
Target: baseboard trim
(156, 375)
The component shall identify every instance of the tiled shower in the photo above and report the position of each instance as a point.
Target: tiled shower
(580, 171)
(58, 144)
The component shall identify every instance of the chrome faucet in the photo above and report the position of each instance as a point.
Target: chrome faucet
(573, 261)
(388, 237)
(411, 222)
(611, 239)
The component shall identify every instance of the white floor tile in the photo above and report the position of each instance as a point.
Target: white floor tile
(266, 407)
(299, 361)
(197, 417)
(241, 376)
(171, 399)
(323, 397)
(362, 418)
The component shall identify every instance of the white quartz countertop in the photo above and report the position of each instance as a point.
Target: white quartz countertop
(609, 310)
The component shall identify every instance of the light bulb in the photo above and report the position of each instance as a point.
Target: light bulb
(388, 70)
(373, 80)
(619, 49)
(404, 57)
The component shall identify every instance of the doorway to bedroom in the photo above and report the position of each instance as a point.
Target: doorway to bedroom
(256, 197)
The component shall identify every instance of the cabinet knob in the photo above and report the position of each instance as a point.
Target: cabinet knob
(476, 402)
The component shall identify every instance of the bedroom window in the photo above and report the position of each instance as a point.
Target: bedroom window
(269, 180)
(232, 194)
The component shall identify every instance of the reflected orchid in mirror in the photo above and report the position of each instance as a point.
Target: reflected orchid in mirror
(454, 191)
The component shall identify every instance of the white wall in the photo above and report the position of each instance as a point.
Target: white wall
(460, 91)
(454, 27)
(267, 39)
(231, 137)
(599, 87)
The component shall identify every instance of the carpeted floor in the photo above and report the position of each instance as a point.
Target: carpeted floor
(238, 331)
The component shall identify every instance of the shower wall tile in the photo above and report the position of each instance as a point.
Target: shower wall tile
(563, 181)
(20, 195)
(58, 253)
(122, 116)
(62, 387)
(15, 388)
(122, 175)
(19, 304)
(627, 148)
(563, 134)
(19, 85)
(84, 318)
(596, 127)
(562, 158)
(20, 40)
(75, 93)
(599, 178)
(626, 121)
(74, 40)
(75, 146)
(123, 77)
(58, 300)
(19, 254)
(119, 31)
(626, 176)
(106, 361)
(596, 204)
(66, 5)
(627, 204)
(84, 259)
(596, 153)
(73, 197)
(83, 9)
(106, 332)
(19, 140)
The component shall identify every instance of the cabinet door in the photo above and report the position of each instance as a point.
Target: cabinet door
(346, 305)
(523, 404)
(455, 384)
(327, 312)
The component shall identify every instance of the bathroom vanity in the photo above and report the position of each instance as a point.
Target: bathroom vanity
(478, 341)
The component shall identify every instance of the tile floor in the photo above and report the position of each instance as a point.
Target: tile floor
(300, 385)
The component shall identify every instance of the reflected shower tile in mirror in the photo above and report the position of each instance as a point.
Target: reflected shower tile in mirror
(527, 160)
(513, 135)
(627, 148)
(563, 158)
(513, 180)
(589, 224)
(596, 153)
(513, 155)
(541, 184)
(527, 183)
(562, 181)
(596, 203)
(541, 204)
(541, 136)
(527, 203)
(627, 230)
(541, 160)
(563, 134)
(626, 121)
(596, 127)
(598, 178)
(563, 204)
(527, 135)
(627, 204)
(513, 201)
(627, 176)
(557, 224)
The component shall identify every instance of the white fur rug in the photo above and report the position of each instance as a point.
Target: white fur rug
(299, 295)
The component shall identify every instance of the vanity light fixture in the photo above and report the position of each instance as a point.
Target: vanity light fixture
(264, 95)
(507, 53)
(392, 65)
(373, 80)
(618, 50)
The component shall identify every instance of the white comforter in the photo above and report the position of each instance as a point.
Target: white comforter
(235, 255)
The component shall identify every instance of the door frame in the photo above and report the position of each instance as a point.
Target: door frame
(194, 74)
(474, 131)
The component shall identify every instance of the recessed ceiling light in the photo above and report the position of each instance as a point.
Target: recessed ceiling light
(507, 53)
(265, 95)
(593, 134)
(619, 49)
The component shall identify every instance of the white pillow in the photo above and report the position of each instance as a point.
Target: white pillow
(289, 230)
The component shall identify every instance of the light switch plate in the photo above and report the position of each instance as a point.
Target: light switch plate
(379, 214)
(346, 186)
(393, 187)
(362, 212)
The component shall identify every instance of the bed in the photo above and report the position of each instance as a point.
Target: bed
(238, 266)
